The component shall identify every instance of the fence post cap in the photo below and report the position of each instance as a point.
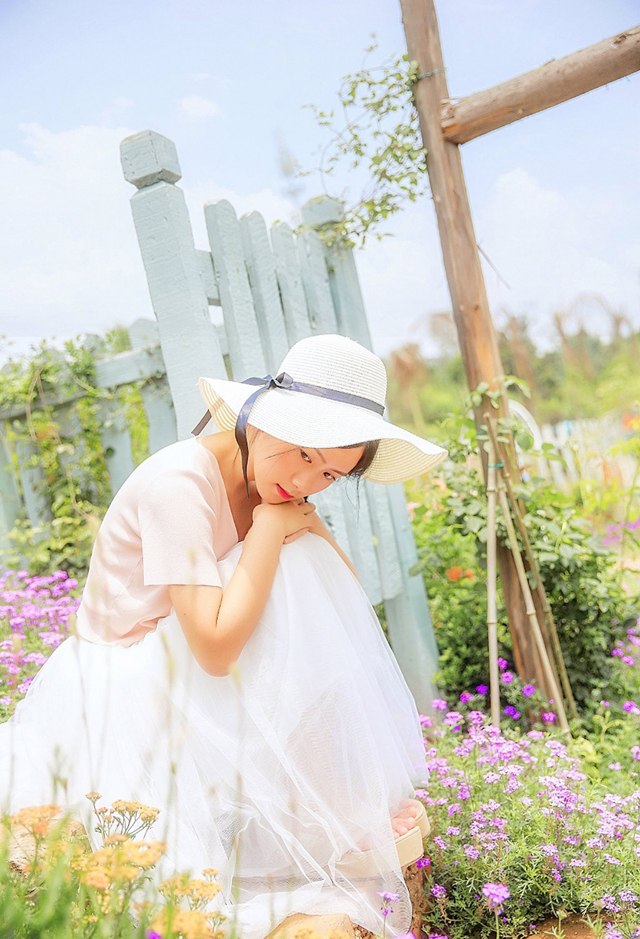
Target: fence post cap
(321, 211)
(148, 158)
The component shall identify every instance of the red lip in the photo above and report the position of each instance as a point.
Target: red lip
(283, 493)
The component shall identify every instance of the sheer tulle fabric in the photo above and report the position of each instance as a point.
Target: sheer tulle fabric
(271, 775)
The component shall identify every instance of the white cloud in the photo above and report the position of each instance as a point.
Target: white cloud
(198, 108)
(549, 247)
(69, 257)
(115, 111)
(552, 246)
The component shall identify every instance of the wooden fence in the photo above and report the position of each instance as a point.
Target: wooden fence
(273, 288)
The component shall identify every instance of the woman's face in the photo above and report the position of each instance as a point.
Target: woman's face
(299, 471)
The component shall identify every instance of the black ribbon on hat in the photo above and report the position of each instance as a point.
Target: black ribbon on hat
(286, 382)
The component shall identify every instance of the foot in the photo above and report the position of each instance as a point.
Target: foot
(405, 817)
(401, 822)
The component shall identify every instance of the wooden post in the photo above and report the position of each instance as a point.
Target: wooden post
(177, 282)
(476, 332)
(542, 88)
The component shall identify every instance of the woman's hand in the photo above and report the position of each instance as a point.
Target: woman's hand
(291, 519)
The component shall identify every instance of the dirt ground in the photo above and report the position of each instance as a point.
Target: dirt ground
(572, 928)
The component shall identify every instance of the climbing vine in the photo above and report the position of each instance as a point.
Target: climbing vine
(55, 431)
(375, 137)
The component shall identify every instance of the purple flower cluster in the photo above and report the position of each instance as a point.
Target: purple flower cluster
(614, 532)
(34, 620)
(521, 813)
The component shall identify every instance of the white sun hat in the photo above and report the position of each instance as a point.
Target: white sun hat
(328, 392)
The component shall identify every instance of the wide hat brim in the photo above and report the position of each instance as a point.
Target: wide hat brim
(311, 421)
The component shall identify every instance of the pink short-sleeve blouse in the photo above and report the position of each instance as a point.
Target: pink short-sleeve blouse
(168, 523)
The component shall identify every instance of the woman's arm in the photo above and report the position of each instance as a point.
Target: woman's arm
(218, 624)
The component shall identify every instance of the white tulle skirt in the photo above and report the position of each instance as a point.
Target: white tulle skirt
(272, 774)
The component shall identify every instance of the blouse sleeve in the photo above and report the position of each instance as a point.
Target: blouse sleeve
(177, 522)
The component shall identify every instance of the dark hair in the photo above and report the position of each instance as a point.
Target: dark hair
(365, 461)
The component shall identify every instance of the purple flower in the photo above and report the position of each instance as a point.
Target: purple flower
(628, 896)
(439, 892)
(150, 934)
(631, 707)
(496, 895)
(507, 677)
(482, 689)
(423, 862)
(465, 697)
(528, 691)
(439, 704)
(502, 664)
(549, 717)
(453, 718)
(635, 753)
(388, 897)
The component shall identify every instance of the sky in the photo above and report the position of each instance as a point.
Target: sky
(555, 197)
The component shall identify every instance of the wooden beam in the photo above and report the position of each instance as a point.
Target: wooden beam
(544, 87)
(471, 314)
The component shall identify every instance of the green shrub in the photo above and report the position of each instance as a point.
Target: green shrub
(582, 578)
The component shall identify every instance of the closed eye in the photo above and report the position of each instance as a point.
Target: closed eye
(327, 473)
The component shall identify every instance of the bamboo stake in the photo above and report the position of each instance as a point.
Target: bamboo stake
(548, 626)
(530, 608)
(539, 587)
(492, 616)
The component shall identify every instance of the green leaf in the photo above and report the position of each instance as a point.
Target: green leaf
(473, 523)
(524, 439)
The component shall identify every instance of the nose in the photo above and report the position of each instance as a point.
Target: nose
(306, 485)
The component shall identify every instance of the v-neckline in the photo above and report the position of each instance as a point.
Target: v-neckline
(224, 487)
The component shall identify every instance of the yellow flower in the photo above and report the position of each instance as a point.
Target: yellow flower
(148, 813)
(121, 805)
(98, 879)
(33, 814)
(189, 924)
(115, 839)
(93, 796)
(199, 890)
(125, 872)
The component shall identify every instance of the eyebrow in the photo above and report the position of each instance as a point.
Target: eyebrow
(321, 455)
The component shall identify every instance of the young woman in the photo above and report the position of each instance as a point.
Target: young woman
(228, 667)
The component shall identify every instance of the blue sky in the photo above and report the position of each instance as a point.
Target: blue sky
(555, 197)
